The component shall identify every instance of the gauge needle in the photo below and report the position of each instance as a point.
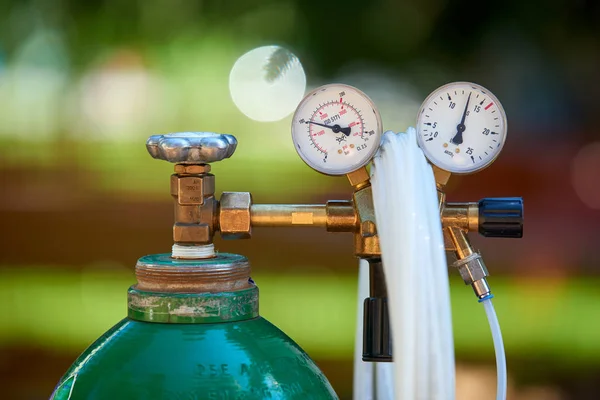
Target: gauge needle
(460, 128)
(335, 128)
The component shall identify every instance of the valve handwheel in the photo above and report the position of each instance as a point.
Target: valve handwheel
(191, 147)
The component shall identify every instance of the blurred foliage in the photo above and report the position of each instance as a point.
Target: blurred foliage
(317, 313)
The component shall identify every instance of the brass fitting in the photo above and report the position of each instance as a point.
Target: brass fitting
(237, 215)
(359, 178)
(191, 169)
(193, 188)
(366, 240)
(469, 263)
(286, 215)
(234, 215)
(335, 216)
(463, 216)
(473, 272)
(341, 216)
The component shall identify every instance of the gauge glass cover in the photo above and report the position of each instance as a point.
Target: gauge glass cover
(336, 129)
(461, 127)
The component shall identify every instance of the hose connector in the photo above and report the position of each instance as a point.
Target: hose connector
(473, 271)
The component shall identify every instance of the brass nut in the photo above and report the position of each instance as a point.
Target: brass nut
(192, 169)
(341, 216)
(366, 241)
(191, 233)
(366, 247)
(368, 229)
(359, 178)
(234, 215)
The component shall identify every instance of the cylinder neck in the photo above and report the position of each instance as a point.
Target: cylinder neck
(211, 290)
(162, 273)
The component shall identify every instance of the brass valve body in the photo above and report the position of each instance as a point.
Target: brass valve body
(193, 189)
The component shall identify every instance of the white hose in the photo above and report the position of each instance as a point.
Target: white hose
(444, 355)
(414, 262)
(390, 200)
(415, 268)
(498, 348)
(384, 380)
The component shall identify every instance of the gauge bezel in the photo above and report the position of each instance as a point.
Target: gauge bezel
(368, 155)
(459, 170)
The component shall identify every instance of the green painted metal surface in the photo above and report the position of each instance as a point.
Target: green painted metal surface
(249, 359)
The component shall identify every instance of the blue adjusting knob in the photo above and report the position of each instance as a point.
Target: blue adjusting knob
(501, 217)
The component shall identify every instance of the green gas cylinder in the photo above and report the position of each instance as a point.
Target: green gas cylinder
(193, 331)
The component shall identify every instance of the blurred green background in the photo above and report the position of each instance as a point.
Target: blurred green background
(84, 83)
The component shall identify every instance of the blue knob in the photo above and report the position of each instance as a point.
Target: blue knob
(501, 217)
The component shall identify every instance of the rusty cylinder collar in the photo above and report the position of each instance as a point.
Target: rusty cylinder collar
(162, 273)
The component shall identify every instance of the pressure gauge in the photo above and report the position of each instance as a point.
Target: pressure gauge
(461, 127)
(336, 129)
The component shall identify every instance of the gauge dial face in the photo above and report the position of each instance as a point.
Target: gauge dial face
(461, 127)
(336, 129)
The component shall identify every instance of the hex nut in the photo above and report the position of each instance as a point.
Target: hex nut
(192, 169)
(234, 215)
(191, 233)
(471, 269)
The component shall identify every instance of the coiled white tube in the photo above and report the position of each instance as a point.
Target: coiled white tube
(415, 268)
(498, 348)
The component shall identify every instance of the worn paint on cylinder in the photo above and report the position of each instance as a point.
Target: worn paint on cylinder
(185, 308)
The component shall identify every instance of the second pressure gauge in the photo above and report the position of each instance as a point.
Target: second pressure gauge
(461, 127)
(336, 129)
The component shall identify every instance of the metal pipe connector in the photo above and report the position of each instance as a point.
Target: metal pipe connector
(464, 216)
(473, 271)
(470, 265)
(460, 242)
(335, 216)
(286, 215)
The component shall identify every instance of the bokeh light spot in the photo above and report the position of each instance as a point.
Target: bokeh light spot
(267, 83)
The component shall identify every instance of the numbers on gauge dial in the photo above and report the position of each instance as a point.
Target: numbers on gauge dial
(336, 129)
(461, 127)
